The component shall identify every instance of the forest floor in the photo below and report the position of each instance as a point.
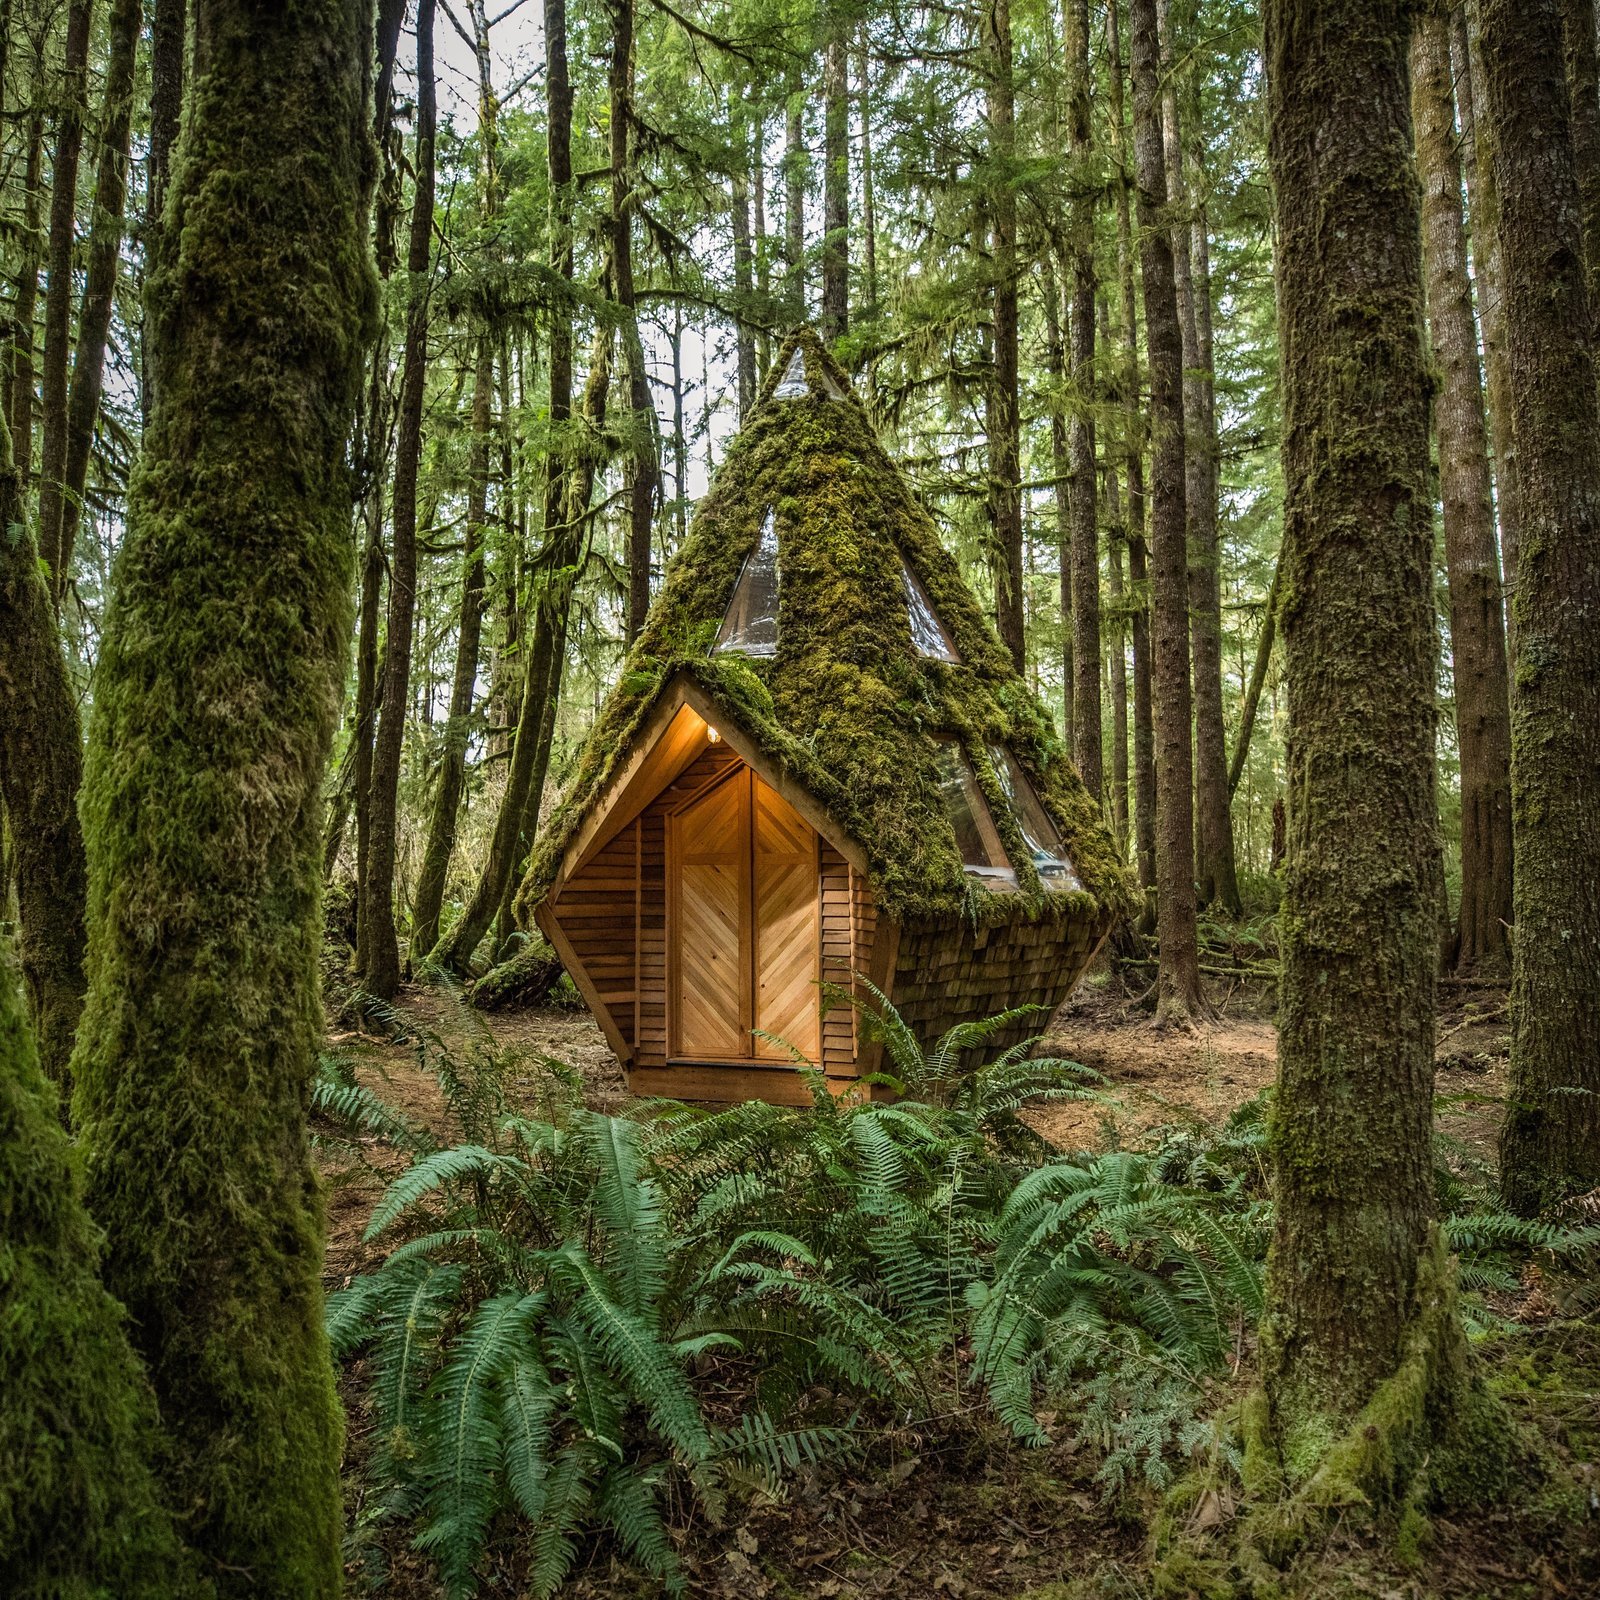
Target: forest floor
(959, 1510)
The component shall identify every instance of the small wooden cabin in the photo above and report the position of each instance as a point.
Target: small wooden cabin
(818, 771)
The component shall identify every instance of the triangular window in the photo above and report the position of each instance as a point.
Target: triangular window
(750, 627)
(927, 631)
(982, 854)
(792, 385)
(1039, 832)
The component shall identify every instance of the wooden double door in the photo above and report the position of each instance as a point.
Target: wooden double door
(743, 925)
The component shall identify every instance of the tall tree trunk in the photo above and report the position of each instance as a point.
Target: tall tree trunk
(835, 319)
(680, 437)
(19, 378)
(1179, 988)
(216, 692)
(168, 27)
(59, 287)
(542, 685)
(41, 766)
(869, 206)
(1550, 1144)
(105, 246)
(743, 275)
(380, 972)
(644, 465)
(1144, 739)
(450, 785)
(1117, 664)
(1477, 627)
(1258, 678)
(1583, 89)
(1060, 471)
(1004, 420)
(1483, 201)
(1088, 738)
(1355, 1252)
(794, 194)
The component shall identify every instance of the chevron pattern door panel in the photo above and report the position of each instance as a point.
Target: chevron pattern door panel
(786, 932)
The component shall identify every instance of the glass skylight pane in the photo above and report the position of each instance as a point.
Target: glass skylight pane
(750, 627)
(1038, 830)
(927, 632)
(793, 385)
(963, 802)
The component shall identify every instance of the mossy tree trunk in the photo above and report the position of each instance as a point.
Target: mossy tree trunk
(59, 286)
(1144, 745)
(834, 321)
(1550, 1144)
(1477, 617)
(216, 694)
(1088, 736)
(1003, 417)
(19, 373)
(380, 967)
(1483, 205)
(1179, 991)
(99, 291)
(1353, 1119)
(41, 765)
(80, 1510)
(1061, 472)
(168, 27)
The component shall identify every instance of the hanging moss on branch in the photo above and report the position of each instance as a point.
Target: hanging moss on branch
(216, 694)
(79, 1508)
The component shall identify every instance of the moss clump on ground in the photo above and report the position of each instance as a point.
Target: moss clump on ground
(848, 707)
(216, 694)
(80, 1515)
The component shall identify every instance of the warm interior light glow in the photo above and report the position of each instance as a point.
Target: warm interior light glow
(712, 734)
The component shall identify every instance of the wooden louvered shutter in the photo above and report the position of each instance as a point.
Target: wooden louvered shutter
(712, 936)
(786, 932)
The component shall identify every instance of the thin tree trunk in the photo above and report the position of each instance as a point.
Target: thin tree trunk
(1477, 629)
(794, 190)
(380, 973)
(20, 377)
(1355, 1250)
(542, 686)
(1483, 201)
(1088, 736)
(105, 246)
(644, 466)
(1144, 739)
(869, 209)
(1004, 419)
(168, 26)
(1550, 1144)
(835, 319)
(1258, 678)
(216, 691)
(1060, 471)
(743, 280)
(680, 439)
(1117, 664)
(41, 766)
(59, 289)
(1179, 990)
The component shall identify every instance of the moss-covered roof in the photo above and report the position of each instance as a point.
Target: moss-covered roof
(847, 706)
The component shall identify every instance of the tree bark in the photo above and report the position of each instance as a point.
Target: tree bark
(1583, 90)
(835, 319)
(1144, 739)
(1550, 1143)
(644, 465)
(19, 378)
(1060, 470)
(1004, 420)
(105, 246)
(1351, 1254)
(380, 972)
(794, 193)
(1179, 990)
(1088, 736)
(1477, 628)
(41, 766)
(59, 288)
(1483, 202)
(216, 692)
